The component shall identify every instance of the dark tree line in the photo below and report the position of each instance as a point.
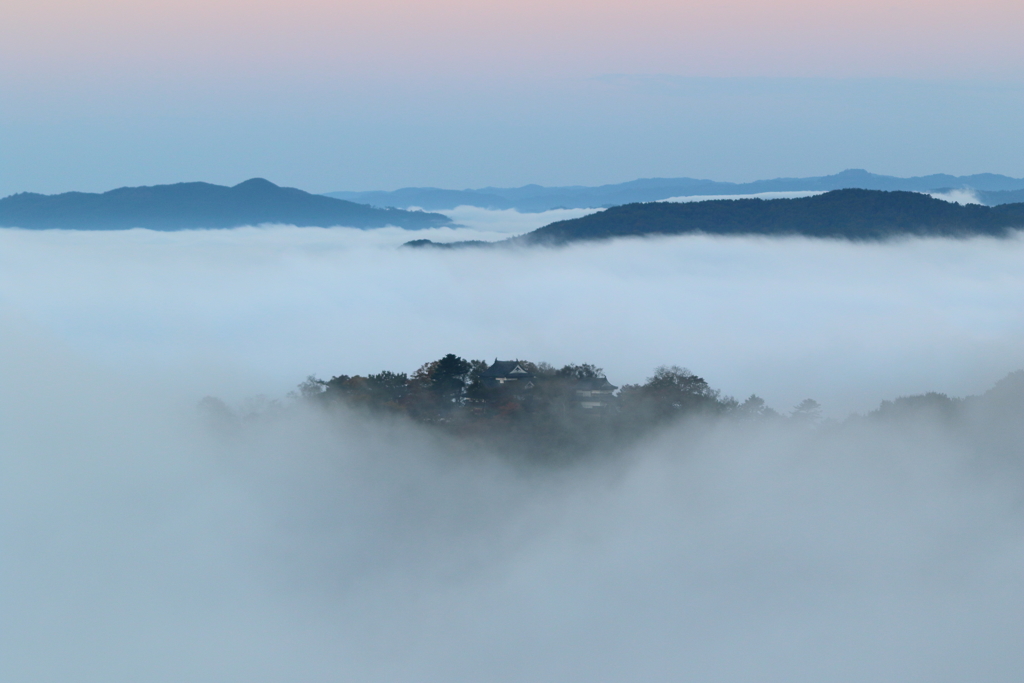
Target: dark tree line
(542, 409)
(558, 413)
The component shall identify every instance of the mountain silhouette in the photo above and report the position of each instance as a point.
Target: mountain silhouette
(992, 189)
(201, 205)
(845, 214)
(858, 215)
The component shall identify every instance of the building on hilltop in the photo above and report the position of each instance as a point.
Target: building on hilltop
(595, 394)
(508, 374)
(516, 380)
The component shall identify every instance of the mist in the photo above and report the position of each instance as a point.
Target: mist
(492, 224)
(235, 313)
(140, 542)
(961, 196)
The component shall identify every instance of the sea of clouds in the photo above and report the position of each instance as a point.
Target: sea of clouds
(255, 310)
(139, 543)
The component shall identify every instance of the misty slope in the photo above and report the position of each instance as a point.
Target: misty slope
(535, 198)
(200, 205)
(849, 214)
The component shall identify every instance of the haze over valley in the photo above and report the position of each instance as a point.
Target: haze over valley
(302, 542)
(856, 212)
(988, 188)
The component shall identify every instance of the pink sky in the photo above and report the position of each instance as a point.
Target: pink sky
(96, 94)
(526, 38)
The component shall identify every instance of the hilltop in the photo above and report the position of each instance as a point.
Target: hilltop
(840, 214)
(201, 205)
(845, 214)
(991, 189)
(534, 409)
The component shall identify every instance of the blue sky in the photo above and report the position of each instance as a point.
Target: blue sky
(325, 135)
(96, 94)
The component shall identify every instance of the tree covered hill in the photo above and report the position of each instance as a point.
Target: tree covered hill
(845, 214)
(535, 410)
(200, 205)
(529, 408)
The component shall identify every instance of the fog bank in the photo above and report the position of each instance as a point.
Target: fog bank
(141, 543)
(254, 311)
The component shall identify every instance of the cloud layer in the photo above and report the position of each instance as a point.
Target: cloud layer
(140, 543)
(241, 312)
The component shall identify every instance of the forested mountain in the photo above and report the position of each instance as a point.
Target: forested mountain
(200, 205)
(535, 198)
(846, 214)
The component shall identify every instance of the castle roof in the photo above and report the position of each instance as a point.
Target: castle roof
(595, 384)
(510, 369)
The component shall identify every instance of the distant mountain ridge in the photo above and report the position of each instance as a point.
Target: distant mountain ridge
(997, 197)
(535, 198)
(839, 214)
(201, 205)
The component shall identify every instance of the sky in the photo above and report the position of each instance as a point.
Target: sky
(333, 96)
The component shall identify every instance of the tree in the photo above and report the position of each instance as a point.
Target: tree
(387, 387)
(807, 411)
(678, 388)
(581, 371)
(475, 389)
(672, 390)
(542, 369)
(678, 384)
(216, 412)
(755, 406)
(449, 378)
(312, 387)
(353, 390)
